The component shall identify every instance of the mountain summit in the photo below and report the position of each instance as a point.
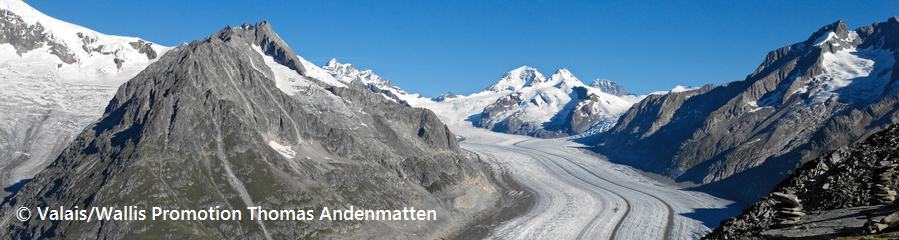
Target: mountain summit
(234, 121)
(835, 88)
(550, 107)
(517, 78)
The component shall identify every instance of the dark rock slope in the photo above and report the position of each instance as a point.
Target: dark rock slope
(207, 126)
(830, 90)
(843, 178)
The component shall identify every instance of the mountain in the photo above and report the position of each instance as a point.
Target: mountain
(348, 73)
(609, 87)
(560, 105)
(237, 121)
(55, 79)
(523, 101)
(837, 191)
(833, 89)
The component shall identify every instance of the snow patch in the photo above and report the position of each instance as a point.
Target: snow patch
(316, 72)
(853, 74)
(824, 38)
(680, 88)
(286, 79)
(283, 150)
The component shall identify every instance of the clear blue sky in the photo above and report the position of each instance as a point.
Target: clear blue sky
(462, 46)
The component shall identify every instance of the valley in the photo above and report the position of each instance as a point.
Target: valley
(239, 120)
(578, 197)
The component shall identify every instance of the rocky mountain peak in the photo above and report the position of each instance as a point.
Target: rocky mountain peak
(609, 87)
(834, 36)
(518, 78)
(262, 35)
(217, 111)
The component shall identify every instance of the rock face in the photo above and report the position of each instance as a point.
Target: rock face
(229, 122)
(561, 105)
(609, 87)
(830, 90)
(843, 179)
(55, 79)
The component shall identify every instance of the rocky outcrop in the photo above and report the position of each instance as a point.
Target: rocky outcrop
(833, 89)
(609, 87)
(838, 188)
(271, 44)
(144, 47)
(210, 124)
(25, 37)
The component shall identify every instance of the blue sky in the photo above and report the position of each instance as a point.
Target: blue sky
(462, 46)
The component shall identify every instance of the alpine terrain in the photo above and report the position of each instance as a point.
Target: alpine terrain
(835, 88)
(843, 193)
(523, 101)
(236, 120)
(239, 123)
(55, 78)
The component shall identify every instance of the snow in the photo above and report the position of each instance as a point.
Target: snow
(348, 73)
(44, 102)
(680, 88)
(101, 66)
(580, 196)
(824, 38)
(853, 74)
(317, 72)
(542, 100)
(283, 150)
(286, 79)
(675, 89)
(517, 79)
(754, 106)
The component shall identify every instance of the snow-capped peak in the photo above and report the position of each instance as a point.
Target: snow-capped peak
(517, 79)
(348, 73)
(609, 87)
(563, 76)
(332, 63)
(70, 42)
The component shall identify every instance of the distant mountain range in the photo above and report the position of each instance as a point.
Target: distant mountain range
(523, 101)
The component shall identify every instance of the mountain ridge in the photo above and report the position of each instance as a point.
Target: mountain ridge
(813, 90)
(218, 122)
